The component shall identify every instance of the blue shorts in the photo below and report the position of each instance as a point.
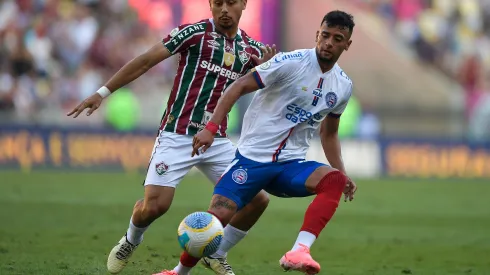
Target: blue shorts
(244, 179)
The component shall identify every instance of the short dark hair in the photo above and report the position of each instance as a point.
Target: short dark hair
(339, 19)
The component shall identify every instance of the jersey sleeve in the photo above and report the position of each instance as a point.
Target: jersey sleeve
(255, 47)
(339, 109)
(272, 72)
(183, 37)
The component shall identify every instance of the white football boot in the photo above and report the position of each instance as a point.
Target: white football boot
(119, 256)
(219, 265)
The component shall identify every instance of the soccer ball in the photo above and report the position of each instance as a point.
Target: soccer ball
(200, 234)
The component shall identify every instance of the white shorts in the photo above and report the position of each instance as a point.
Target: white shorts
(171, 159)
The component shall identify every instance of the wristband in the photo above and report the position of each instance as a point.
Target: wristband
(104, 92)
(212, 127)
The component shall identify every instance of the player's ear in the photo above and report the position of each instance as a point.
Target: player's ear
(210, 6)
(316, 37)
(244, 4)
(348, 45)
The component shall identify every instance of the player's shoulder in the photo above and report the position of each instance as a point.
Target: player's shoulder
(296, 56)
(250, 40)
(343, 78)
(190, 29)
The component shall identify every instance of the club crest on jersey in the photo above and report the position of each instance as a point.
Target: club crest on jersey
(214, 35)
(331, 99)
(239, 176)
(161, 168)
(229, 58)
(244, 56)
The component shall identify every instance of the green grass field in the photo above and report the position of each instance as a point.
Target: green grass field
(66, 223)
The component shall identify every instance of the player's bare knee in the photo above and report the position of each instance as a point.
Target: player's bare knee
(223, 208)
(139, 204)
(261, 201)
(316, 177)
(154, 208)
(157, 201)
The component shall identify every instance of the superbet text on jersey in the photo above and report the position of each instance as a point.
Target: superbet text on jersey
(209, 62)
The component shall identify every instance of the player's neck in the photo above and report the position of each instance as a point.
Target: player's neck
(228, 33)
(325, 66)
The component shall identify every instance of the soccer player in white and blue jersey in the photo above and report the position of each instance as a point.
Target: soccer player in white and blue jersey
(300, 91)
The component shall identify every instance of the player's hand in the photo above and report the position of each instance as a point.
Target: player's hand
(349, 190)
(92, 103)
(267, 53)
(202, 139)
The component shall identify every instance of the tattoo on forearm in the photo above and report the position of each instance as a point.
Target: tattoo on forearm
(222, 202)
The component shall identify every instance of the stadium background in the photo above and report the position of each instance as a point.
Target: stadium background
(416, 136)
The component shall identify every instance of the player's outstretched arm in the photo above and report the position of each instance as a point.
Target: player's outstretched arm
(244, 85)
(129, 72)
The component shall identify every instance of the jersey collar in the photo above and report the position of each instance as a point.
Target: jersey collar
(238, 35)
(314, 60)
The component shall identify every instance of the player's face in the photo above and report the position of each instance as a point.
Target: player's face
(331, 42)
(227, 13)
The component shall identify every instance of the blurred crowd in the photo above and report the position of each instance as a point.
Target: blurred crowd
(453, 36)
(54, 53)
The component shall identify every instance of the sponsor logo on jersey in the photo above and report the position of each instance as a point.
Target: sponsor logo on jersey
(242, 44)
(331, 99)
(229, 49)
(196, 125)
(244, 56)
(239, 176)
(290, 56)
(185, 33)
(161, 168)
(215, 35)
(317, 94)
(297, 114)
(342, 73)
(213, 44)
(219, 70)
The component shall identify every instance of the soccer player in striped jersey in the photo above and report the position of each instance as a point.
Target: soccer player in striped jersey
(213, 54)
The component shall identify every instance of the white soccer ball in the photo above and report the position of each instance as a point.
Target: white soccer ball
(200, 234)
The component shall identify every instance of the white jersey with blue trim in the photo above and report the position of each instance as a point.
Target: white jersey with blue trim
(294, 98)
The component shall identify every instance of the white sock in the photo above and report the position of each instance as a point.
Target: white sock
(182, 270)
(135, 234)
(232, 236)
(304, 238)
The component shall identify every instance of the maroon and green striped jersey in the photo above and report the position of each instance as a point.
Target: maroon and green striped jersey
(209, 62)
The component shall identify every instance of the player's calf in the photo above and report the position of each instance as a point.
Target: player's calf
(235, 231)
(250, 214)
(156, 203)
(328, 184)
